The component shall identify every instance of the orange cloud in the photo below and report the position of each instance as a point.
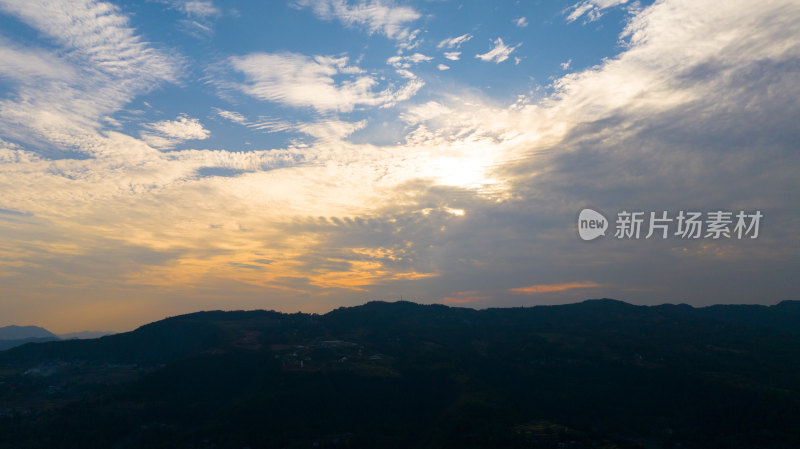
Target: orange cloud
(548, 288)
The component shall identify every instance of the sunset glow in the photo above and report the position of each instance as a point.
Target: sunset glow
(169, 156)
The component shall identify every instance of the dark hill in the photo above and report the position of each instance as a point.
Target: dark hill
(158, 342)
(8, 344)
(601, 373)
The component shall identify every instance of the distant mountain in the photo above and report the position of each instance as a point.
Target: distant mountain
(13, 336)
(85, 335)
(600, 373)
(20, 332)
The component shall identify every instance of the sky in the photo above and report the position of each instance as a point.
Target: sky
(167, 156)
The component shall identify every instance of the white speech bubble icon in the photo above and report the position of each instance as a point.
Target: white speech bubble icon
(591, 224)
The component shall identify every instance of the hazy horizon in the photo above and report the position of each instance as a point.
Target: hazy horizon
(388, 300)
(165, 157)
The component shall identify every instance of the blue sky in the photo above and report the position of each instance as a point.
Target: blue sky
(207, 39)
(161, 157)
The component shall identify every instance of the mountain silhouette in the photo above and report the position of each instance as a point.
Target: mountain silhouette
(601, 373)
(20, 332)
(13, 336)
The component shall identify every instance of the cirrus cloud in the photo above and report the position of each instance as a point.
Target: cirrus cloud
(302, 81)
(499, 52)
(454, 42)
(167, 134)
(376, 16)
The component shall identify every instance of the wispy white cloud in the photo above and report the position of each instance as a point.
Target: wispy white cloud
(168, 134)
(376, 16)
(443, 67)
(425, 112)
(302, 81)
(320, 129)
(199, 16)
(199, 29)
(21, 64)
(566, 64)
(101, 65)
(592, 9)
(405, 62)
(98, 32)
(499, 53)
(452, 55)
(407, 74)
(326, 130)
(521, 22)
(454, 42)
(198, 8)
(232, 116)
(331, 130)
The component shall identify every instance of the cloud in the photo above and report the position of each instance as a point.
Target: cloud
(302, 81)
(565, 65)
(405, 62)
(452, 55)
(425, 112)
(232, 116)
(97, 32)
(323, 130)
(98, 65)
(21, 64)
(200, 15)
(697, 111)
(328, 130)
(183, 128)
(198, 8)
(592, 9)
(655, 127)
(454, 42)
(521, 22)
(442, 67)
(549, 288)
(170, 133)
(498, 53)
(375, 16)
